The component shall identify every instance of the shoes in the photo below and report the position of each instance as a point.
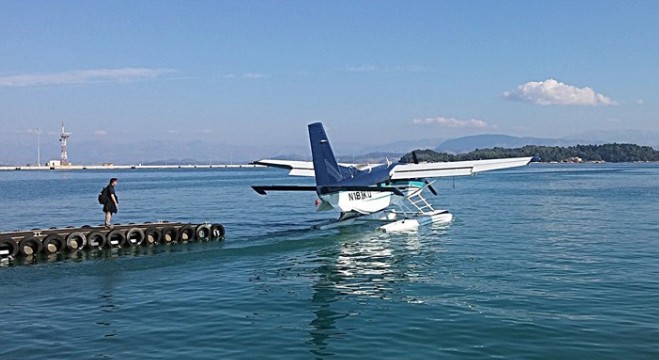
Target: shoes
(109, 226)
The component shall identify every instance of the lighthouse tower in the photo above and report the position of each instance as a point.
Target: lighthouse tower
(64, 157)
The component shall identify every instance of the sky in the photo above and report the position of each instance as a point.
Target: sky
(257, 72)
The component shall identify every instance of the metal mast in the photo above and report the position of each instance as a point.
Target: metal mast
(38, 147)
(64, 157)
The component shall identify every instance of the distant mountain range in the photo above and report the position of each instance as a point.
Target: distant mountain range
(199, 152)
(470, 143)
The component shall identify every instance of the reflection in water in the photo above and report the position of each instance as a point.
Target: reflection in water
(366, 266)
(107, 307)
(323, 296)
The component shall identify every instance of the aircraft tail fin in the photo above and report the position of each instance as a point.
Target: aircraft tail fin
(327, 170)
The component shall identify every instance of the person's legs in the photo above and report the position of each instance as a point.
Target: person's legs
(108, 217)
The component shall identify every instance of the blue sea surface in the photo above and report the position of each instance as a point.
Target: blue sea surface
(541, 262)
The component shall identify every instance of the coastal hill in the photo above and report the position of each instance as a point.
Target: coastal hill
(579, 153)
(496, 146)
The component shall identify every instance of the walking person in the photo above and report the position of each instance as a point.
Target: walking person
(111, 202)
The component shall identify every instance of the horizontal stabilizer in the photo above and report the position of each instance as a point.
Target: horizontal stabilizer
(262, 189)
(296, 168)
(336, 188)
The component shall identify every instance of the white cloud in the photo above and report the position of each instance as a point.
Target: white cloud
(552, 92)
(453, 123)
(82, 77)
(100, 133)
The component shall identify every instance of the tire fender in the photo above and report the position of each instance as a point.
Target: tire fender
(217, 231)
(75, 241)
(135, 236)
(96, 240)
(152, 235)
(203, 232)
(116, 238)
(169, 234)
(53, 243)
(186, 233)
(30, 245)
(8, 248)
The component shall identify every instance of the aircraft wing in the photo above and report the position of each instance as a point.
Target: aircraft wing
(296, 168)
(457, 168)
(304, 168)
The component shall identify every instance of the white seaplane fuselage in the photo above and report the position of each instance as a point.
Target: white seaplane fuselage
(362, 206)
(361, 202)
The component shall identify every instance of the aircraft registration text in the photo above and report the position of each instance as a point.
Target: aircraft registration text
(359, 195)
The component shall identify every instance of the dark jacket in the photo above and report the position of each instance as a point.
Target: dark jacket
(109, 205)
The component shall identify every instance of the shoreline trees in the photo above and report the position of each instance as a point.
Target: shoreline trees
(588, 153)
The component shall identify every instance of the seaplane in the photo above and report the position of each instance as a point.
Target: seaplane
(389, 192)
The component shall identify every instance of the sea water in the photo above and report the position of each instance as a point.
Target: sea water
(541, 262)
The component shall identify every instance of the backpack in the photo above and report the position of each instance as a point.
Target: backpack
(103, 196)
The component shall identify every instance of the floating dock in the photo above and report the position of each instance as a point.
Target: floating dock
(72, 239)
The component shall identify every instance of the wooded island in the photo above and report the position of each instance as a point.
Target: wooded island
(579, 153)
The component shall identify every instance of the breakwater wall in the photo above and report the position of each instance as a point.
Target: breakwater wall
(123, 167)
